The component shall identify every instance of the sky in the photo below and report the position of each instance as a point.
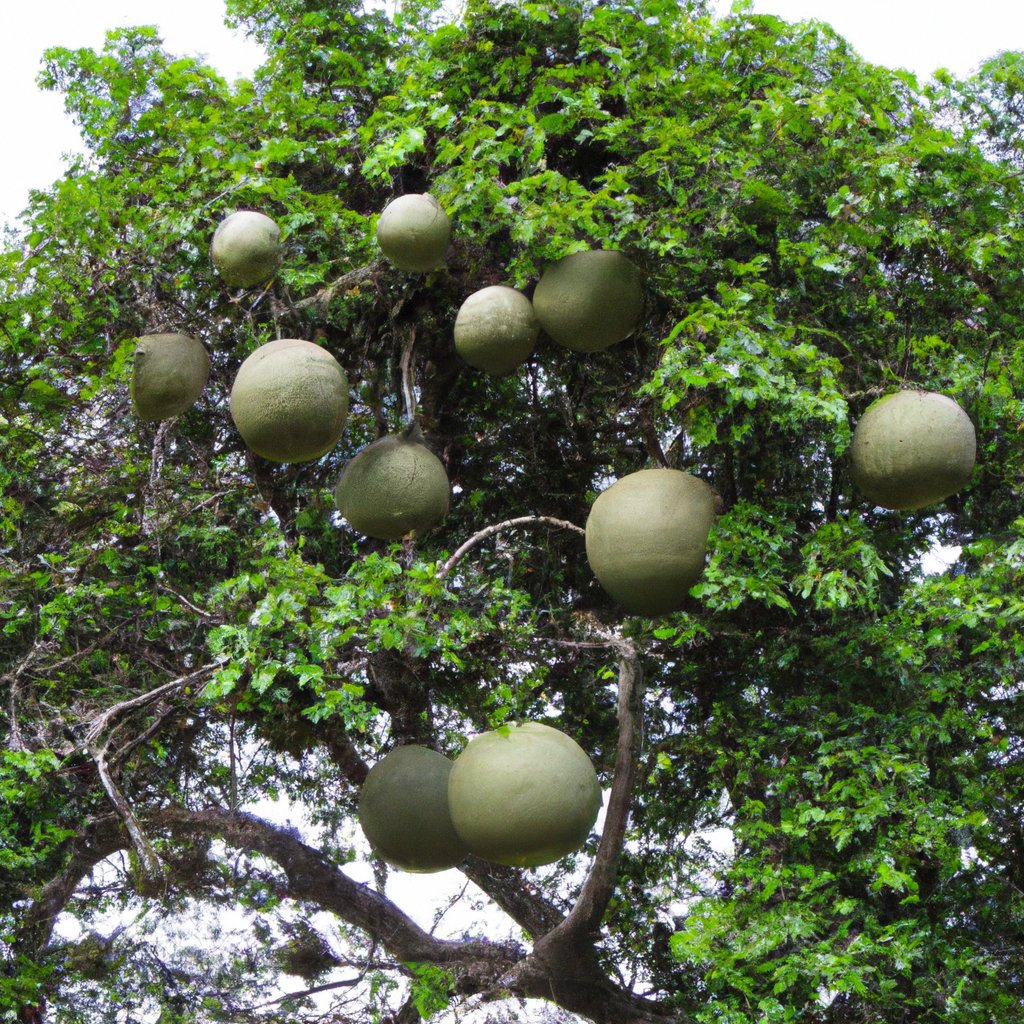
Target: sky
(920, 35)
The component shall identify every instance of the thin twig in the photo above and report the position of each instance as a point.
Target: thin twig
(188, 604)
(508, 524)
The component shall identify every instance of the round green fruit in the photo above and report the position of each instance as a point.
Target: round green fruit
(413, 232)
(496, 329)
(911, 449)
(523, 795)
(246, 249)
(403, 810)
(290, 400)
(647, 536)
(590, 300)
(392, 486)
(169, 373)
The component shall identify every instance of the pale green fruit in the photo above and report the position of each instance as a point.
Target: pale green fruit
(911, 449)
(403, 810)
(246, 249)
(290, 400)
(588, 301)
(392, 486)
(413, 232)
(496, 329)
(647, 536)
(523, 795)
(169, 372)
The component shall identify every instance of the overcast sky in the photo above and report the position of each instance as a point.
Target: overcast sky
(921, 35)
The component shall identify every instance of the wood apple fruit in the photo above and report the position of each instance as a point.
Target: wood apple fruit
(911, 449)
(403, 810)
(523, 795)
(392, 486)
(646, 538)
(290, 400)
(413, 232)
(590, 300)
(496, 329)
(169, 373)
(246, 249)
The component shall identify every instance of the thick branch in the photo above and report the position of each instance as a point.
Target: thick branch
(586, 915)
(508, 524)
(515, 895)
(98, 839)
(311, 876)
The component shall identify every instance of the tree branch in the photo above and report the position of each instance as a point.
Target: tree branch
(408, 384)
(311, 876)
(151, 873)
(325, 296)
(508, 524)
(97, 840)
(103, 721)
(585, 916)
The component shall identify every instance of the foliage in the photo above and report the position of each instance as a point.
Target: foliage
(191, 638)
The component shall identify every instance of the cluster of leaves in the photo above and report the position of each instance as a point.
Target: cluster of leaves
(813, 231)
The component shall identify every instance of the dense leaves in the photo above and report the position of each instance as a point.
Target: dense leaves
(199, 659)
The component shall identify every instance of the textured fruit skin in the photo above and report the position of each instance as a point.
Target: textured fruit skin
(392, 486)
(588, 301)
(911, 449)
(646, 538)
(413, 232)
(246, 249)
(290, 400)
(403, 810)
(496, 329)
(169, 373)
(523, 796)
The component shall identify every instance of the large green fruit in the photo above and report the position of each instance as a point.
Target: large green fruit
(413, 232)
(169, 373)
(290, 400)
(246, 249)
(523, 795)
(496, 329)
(403, 810)
(392, 486)
(588, 301)
(911, 449)
(647, 537)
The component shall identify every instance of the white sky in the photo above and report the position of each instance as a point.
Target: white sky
(921, 35)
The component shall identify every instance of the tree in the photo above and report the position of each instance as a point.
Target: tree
(190, 632)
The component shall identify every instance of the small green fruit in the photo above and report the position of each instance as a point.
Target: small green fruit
(290, 400)
(646, 538)
(169, 373)
(523, 795)
(403, 810)
(413, 232)
(496, 329)
(246, 249)
(588, 301)
(392, 486)
(911, 449)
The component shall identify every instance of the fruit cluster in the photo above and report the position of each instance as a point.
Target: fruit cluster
(522, 795)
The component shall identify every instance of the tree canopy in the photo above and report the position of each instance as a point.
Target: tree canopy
(813, 772)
